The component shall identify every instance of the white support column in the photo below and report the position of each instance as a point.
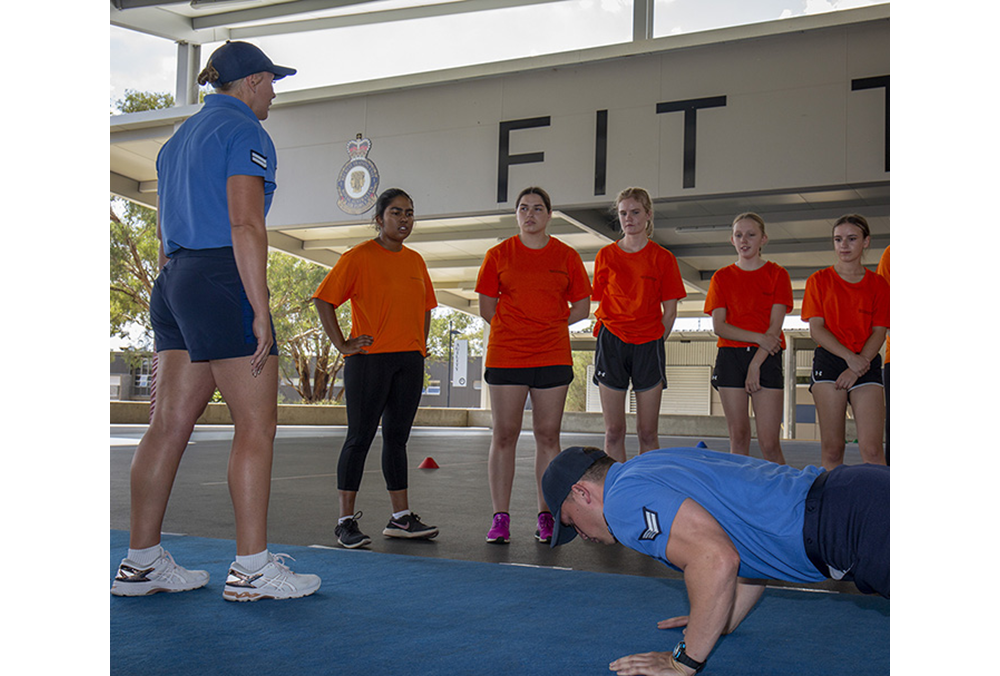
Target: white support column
(789, 413)
(642, 20)
(188, 65)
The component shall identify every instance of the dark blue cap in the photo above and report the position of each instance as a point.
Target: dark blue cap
(235, 60)
(564, 471)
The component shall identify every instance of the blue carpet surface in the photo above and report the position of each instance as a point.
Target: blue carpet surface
(381, 614)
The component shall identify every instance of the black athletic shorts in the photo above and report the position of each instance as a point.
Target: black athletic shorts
(535, 377)
(733, 363)
(827, 367)
(617, 362)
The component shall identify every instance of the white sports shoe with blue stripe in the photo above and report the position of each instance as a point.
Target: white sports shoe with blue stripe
(274, 581)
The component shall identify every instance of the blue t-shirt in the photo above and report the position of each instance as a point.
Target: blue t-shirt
(760, 505)
(223, 139)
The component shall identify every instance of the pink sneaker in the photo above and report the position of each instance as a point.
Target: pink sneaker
(544, 532)
(500, 531)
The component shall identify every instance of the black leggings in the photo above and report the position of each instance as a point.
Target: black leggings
(384, 386)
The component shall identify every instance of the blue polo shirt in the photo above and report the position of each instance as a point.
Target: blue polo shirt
(760, 505)
(223, 139)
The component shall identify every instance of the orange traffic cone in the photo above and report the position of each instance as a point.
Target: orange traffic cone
(428, 463)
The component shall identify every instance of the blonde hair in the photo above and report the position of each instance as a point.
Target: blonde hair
(211, 76)
(753, 217)
(641, 196)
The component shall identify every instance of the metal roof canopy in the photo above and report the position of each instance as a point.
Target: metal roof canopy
(698, 234)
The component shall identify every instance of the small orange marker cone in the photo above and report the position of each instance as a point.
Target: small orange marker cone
(428, 463)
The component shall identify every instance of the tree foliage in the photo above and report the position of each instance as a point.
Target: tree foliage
(133, 269)
(466, 327)
(136, 101)
(310, 363)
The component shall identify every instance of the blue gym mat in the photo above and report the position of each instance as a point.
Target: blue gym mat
(383, 614)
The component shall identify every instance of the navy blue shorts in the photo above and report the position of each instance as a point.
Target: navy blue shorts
(617, 362)
(733, 363)
(846, 526)
(198, 305)
(534, 377)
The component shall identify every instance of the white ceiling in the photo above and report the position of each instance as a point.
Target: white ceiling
(695, 230)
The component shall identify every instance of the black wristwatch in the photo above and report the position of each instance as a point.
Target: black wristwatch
(682, 657)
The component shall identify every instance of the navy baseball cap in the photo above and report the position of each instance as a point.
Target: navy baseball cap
(564, 471)
(235, 60)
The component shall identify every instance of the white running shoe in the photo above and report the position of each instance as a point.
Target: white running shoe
(163, 575)
(274, 581)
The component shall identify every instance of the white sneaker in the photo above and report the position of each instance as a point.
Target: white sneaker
(163, 575)
(274, 581)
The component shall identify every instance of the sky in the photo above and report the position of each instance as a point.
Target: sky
(368, 52)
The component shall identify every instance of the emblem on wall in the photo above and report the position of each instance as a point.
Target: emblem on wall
(358, 179)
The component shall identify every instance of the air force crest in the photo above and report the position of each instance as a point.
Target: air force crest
(358, 179)
(652, 525)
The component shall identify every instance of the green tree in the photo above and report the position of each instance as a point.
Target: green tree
(133, 269)
(136, 102)
(310, 363)
(444, 320)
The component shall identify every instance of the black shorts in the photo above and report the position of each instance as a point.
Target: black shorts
(827, 367)
(198, 304)
(733, 363)
(535, 377)
(617, 362)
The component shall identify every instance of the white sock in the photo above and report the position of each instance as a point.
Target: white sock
(145, 557)
(400, 515)
(252, 562)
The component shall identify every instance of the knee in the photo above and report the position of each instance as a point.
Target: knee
(648, 439)
(614, 431)
(547, 439)
(505, 436)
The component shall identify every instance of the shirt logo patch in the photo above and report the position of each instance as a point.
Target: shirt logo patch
(652, 525)
(258, 159)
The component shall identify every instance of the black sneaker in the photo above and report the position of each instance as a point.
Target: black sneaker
(349, 535)
(409, 526)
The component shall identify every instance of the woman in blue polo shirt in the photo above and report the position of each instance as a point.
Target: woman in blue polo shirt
(212, 325)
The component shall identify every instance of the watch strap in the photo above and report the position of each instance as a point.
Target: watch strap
(680, 655)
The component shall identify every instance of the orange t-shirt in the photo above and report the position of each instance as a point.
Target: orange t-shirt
(883, 270)
(535, 288)
(631, 289)
(390, 294)
(748, 297)
(850, 311)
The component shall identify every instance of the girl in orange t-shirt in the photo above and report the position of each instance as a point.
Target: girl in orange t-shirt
(847, 308)
(531, 288)
(391, 301)
(637, 284)
(748, 301)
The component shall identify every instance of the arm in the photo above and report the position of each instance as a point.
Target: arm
(747, 596)
(769, 341)
(578, 311)
(858, 363)
(427, 325)
(487, 307)
(328, 317)
(700, 547)
(763, 352)
(245, 196)
(669, 316)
